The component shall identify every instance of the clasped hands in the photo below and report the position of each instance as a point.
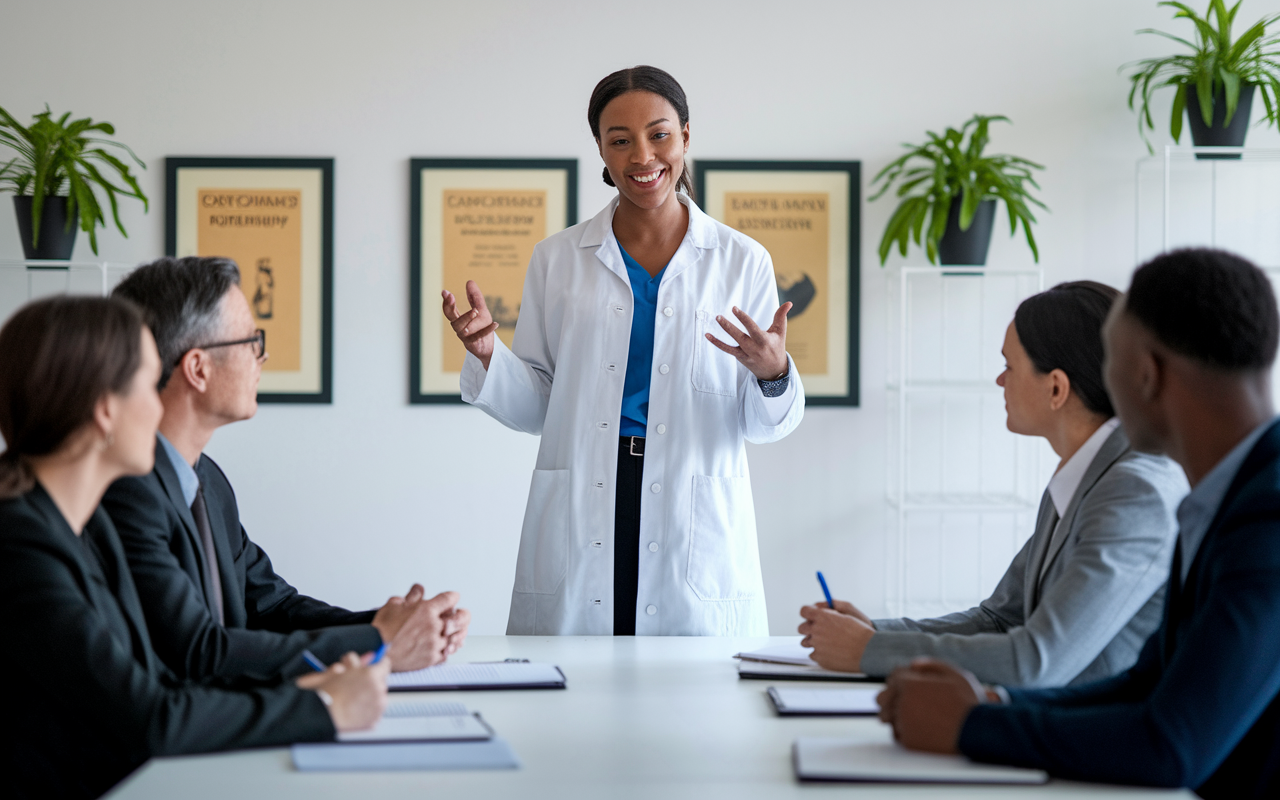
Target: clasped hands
(764, 352)
(926, 702)
(421, 632)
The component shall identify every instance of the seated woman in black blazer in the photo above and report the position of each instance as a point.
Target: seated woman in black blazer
(87, 699)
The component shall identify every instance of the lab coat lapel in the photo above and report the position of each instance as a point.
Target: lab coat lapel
(701, 235)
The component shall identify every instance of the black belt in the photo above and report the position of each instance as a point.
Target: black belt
(633, 445)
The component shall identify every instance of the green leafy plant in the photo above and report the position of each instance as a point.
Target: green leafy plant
(931, 176)
(1215, 62)
(58, 157)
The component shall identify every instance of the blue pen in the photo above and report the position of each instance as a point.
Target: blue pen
(319, 666)
(312, 661)
(823, 581)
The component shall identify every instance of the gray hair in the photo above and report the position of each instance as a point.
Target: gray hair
(179, 298)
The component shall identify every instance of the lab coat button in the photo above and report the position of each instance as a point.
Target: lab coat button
(651, 610)
(664, 369)
(668, 311)
(604, 426)
(611, 367)
(653, 547)
(662, 429)
(657, 487)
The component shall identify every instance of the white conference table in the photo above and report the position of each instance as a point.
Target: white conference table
(645, 717)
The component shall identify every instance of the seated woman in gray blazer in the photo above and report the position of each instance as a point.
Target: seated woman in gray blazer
(1087, 589)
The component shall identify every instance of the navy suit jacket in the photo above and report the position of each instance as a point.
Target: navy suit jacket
(1200, 707)
(86, 699)
(268, 622)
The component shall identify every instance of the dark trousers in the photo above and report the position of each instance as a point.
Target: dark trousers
(626, 536)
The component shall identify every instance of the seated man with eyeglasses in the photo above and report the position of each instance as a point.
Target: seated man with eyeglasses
(215, 607)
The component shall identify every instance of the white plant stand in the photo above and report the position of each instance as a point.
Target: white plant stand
(962, 489)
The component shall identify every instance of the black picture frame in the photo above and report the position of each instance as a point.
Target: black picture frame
(854, 171)
(416, 311)
(323, 394)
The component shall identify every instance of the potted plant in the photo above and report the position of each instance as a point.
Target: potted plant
(53, 176)
(1215, 82)
(933, 176)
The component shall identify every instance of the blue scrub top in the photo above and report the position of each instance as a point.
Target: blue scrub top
(635, 387)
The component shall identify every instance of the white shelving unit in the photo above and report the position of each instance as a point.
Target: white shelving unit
(1186, 201)
(962, 489)
(23, 280)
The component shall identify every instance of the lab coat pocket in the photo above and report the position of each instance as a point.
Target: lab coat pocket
(714, 372)
(724, 560)
(543, 559)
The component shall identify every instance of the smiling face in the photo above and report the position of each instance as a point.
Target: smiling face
(643, 146)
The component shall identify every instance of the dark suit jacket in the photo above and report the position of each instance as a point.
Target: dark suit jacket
(86, 699)
(1200, 707)
(268, 623)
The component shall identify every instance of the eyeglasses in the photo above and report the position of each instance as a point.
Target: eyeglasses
(258, 340)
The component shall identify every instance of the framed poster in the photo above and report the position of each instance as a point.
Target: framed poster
(475, 219)
(274, 217)
(807, 215)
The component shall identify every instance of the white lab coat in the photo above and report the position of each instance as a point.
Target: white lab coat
(563, 378)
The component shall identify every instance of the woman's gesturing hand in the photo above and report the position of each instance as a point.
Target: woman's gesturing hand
(763, 352)
(474, 326)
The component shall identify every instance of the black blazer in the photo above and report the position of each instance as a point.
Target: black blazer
(87, 700)
(268, 623)
(1201, 707)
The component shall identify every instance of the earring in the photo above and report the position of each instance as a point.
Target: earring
(108, 441)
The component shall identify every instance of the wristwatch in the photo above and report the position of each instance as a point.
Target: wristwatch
(778, 386)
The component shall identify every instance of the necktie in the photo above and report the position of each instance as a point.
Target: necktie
(214, 594)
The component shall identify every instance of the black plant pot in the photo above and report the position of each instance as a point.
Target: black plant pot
(1219, 135)
(967, 248)
(56, 242)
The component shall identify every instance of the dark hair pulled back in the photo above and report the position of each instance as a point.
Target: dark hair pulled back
(640, 79)
(1062, 329)
(61, 356)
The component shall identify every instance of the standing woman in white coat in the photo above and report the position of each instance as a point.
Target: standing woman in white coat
(640, 518)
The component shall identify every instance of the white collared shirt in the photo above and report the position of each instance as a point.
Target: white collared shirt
(1065, 482)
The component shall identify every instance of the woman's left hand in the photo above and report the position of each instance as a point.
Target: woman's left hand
(763, 352)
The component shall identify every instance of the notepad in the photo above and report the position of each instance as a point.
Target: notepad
(781, 654)
(335, 757)
(764, 670)
(437, 728)
(498, 675)
(417, 707)
(838, 759)
(793, 702)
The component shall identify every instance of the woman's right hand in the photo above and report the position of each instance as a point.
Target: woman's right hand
(474, 326)
(358, 690)
(846, 608)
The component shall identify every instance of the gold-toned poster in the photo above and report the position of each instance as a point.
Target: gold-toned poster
(489, 236)
(475, 219)
(793, 227)
(260, 230)
(273, 217)
(806, 215)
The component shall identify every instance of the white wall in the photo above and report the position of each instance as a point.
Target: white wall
(358, 499)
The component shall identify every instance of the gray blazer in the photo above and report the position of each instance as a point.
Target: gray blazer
(1073, 607)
